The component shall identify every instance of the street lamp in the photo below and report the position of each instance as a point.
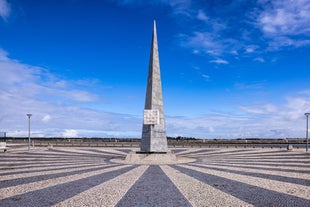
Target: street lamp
(29, 115)
(307, 115)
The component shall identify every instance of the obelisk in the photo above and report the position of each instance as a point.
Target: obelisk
(154, 138)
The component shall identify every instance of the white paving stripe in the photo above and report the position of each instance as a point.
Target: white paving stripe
(108, 193)
(218, 153)
(48, 170)
(282, 187)
(16, 167)
(199, 193)
(92, 151)
(33, 161)
(191, 151)
(275, 164)
(100, 151)
(28, 187)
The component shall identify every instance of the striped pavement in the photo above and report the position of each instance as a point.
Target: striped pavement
(216, 177)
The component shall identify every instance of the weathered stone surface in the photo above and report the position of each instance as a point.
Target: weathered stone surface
(154, 135)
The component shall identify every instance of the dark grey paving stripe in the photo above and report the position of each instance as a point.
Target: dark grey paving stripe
(259, 168)
(198, 151)
(215, 152)
(249, 151)
(261, 164)
(254, 195)
(176, 151)
(274, 158)
(52, 195)
(281, 178)
(153, 188)
(73, 153)
(247, 160)
(283, 155)
(20, 181)
(103, 152)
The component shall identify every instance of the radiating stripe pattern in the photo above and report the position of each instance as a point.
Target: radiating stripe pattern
(217, 177)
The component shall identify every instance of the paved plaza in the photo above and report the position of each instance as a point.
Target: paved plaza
(93, 177)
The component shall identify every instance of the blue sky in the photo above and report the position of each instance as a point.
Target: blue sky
(230, 69)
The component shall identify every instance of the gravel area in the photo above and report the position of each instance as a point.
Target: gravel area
(214, 177)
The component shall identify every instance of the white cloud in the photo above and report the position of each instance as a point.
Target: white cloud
(208, 126)
(259, 59)
(210, 41)
(265, 120)
(305, 92)
(296, 107)
(179, 7)
(55, 103)
(202, 16)
(286, 17)
(82, 96)
(260, 109)
(70, 133)
(5, 9)
(250, 86)
(206, 77)
(251, 48)
(273, 25)
(219, 61)
(286, 23)
(202, 42)
(46, 118)
(211, 129)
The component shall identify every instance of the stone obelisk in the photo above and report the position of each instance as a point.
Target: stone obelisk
(154, 138)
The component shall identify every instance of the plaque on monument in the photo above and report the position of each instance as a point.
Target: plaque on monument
(151, 117)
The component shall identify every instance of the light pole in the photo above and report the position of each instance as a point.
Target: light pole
(29, 115)
(307, 115)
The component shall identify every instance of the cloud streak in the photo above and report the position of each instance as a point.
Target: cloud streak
(57, 107)
(266, 120)
(5, 9)
(274, 25)
(286, 23)
(219, 61)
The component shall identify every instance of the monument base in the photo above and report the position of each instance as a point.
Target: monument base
(153, 158)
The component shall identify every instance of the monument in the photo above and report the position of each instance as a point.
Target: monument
(154, 147)
(154, 138)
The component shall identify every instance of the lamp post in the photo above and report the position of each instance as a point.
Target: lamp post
(29, 115)
(307, 115)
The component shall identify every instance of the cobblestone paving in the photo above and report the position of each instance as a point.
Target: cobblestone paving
(217, 177)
